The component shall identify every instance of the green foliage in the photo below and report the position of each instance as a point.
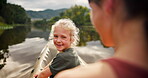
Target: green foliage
(87, 33)
(79, 14)
(14, 14)
(52, 21)
(41, 24)
(1, 19)
(2, 3)
(20, 15)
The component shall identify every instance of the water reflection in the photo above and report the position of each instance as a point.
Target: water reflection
(11, 37)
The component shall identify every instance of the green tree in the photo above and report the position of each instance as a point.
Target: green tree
(14, 14)
(52, 21)
(2, 3)
(20, 15)
(79, 14)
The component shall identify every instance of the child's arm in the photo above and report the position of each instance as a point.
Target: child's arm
(45, 73)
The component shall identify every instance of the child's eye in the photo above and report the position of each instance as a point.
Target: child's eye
(55, 36)
(63, 37)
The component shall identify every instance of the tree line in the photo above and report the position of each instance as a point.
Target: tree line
(12, 13)
(79, 14)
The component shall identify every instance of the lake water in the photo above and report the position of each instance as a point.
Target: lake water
(22, 54)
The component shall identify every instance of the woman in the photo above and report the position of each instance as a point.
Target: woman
(123, 25)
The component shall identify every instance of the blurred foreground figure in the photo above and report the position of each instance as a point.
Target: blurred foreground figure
(123, 25)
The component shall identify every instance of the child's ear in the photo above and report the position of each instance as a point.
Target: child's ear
(72, 39)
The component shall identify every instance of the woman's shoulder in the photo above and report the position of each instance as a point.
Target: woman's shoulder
(95, 70)
(105, 70)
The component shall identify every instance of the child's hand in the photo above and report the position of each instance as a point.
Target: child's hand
(45, 73)
(35, 76)
(41, 74)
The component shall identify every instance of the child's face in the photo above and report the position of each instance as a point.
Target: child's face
(62, 38)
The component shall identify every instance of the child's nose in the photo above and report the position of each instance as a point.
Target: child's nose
(58, 39)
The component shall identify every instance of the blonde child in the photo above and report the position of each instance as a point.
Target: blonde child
(65, 37)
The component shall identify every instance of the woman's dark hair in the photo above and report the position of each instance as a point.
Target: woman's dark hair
(136, 8)
(95, 1)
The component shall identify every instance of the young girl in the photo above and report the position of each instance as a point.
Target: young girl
(122, 24)
(65, 37)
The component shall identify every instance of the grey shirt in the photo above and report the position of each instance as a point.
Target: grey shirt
(65, 60)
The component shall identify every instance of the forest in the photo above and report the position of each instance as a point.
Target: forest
(12, 13)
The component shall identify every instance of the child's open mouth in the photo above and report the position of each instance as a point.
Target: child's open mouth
(59, 45)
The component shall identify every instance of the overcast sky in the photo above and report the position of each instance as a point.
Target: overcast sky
(37, 5)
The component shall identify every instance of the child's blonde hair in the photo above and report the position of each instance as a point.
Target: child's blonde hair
(69, 25)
